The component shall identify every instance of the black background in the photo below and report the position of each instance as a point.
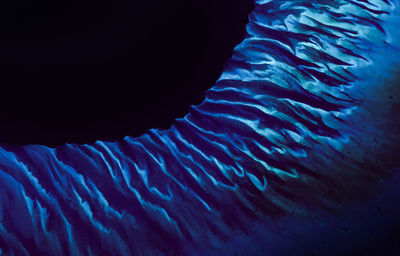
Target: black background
(78, 71)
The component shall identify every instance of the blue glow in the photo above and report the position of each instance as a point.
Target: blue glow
(285, 123)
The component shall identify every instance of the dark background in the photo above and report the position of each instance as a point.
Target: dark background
(78, 71)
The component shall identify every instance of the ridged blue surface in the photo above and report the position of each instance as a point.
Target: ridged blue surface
(283, 131)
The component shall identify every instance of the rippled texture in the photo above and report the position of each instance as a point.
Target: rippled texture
(285, 131)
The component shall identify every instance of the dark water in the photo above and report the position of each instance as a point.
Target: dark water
(74, 71)
(294, 151)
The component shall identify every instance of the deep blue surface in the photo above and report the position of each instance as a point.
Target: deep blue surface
(292, 152)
